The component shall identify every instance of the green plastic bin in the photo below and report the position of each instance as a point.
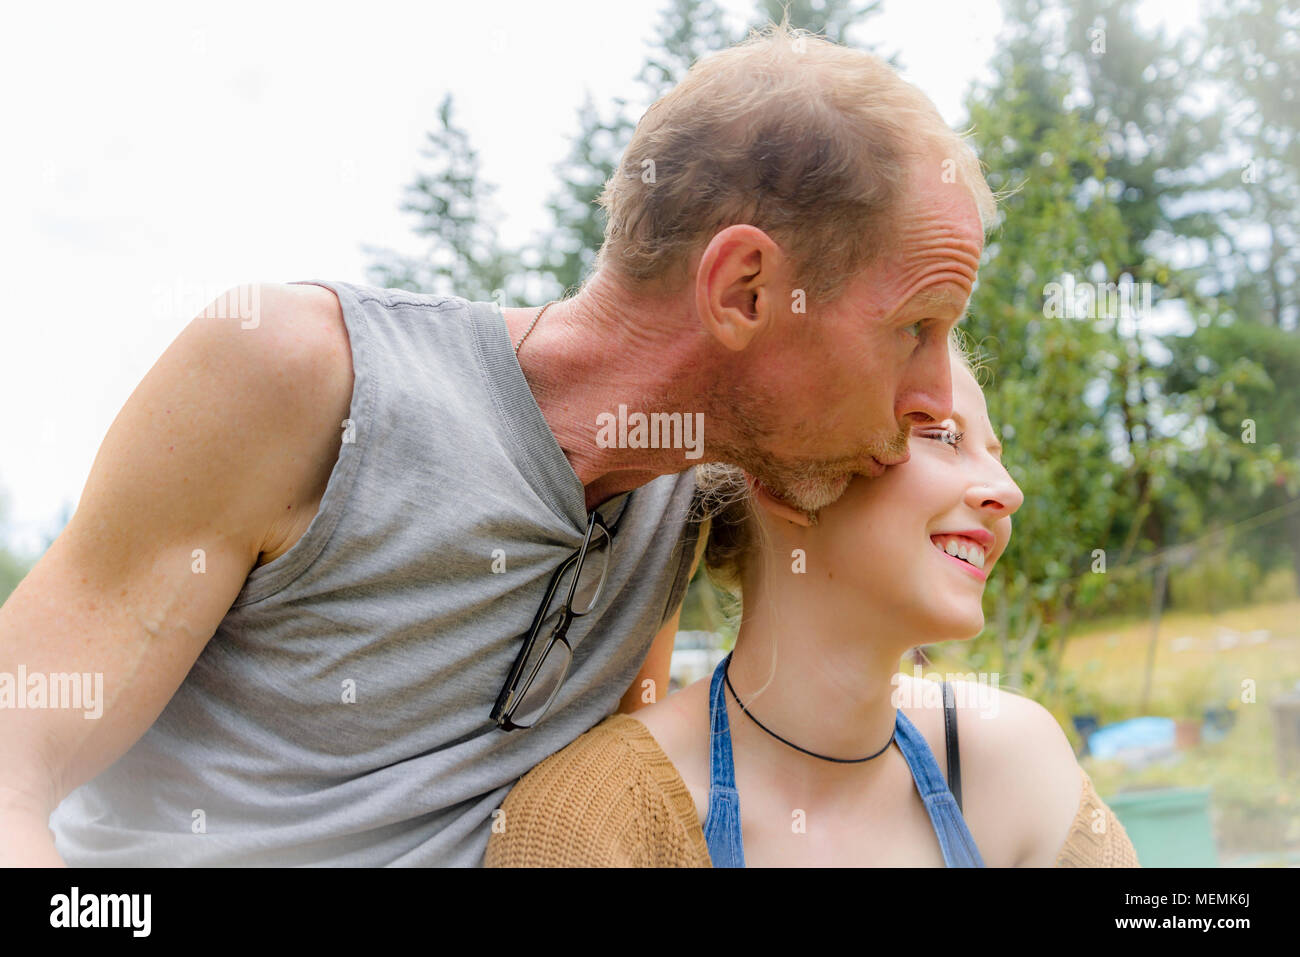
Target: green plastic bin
(1169, 827)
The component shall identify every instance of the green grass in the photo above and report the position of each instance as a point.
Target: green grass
(1111, 663)
(1254, 808)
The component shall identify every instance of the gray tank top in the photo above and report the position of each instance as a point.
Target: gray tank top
(340, 713)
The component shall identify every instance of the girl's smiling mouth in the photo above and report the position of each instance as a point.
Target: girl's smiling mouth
(966, 552)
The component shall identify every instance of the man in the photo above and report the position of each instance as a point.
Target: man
(311, 540)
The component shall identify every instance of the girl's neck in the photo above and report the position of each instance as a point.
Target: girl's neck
(825, 688)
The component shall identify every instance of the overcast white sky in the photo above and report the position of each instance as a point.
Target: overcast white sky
(157, 154)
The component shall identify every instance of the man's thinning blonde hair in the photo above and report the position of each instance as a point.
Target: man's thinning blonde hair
(803, 138)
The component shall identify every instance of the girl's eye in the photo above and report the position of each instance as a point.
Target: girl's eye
(947, 436)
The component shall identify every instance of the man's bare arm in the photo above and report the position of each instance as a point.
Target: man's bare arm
(221, 453)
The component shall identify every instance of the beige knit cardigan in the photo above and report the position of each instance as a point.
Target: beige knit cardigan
(612, 798)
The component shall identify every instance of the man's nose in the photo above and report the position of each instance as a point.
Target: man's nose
(928, 397)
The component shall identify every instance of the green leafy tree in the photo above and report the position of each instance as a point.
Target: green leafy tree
(13, 567)
(1254, 53)
(1106, 442)
(12, 571)
(1146, 93)
(1237, 372)
(1245, 378)
(1048, 394)
(1133, 84)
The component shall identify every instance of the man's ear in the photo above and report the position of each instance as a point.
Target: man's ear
(777, 507)
(732, 268)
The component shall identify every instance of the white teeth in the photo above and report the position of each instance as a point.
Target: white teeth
(960, 548)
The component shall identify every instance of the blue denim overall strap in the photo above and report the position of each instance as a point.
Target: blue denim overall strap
(955, 838)
(722, 823)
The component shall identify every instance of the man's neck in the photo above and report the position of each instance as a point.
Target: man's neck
(592, 353)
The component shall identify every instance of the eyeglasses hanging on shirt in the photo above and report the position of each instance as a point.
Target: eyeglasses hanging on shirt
(544, 659)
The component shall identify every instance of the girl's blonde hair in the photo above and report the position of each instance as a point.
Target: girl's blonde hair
(805, 139)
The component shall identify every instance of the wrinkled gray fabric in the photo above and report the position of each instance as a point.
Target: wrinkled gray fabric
(260, 759)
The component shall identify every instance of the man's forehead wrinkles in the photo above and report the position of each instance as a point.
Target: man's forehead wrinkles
(939, 292)
(941, 232)
(944, 281)
(963, 255)
(928, 258)
(922, 247)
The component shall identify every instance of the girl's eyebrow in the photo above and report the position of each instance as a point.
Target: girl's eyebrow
(995, 447)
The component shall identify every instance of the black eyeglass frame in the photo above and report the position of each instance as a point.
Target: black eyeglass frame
(512, 693)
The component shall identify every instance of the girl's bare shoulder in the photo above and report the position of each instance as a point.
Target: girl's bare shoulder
(1021, 784)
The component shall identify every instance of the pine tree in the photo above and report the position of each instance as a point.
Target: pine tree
(455, 216)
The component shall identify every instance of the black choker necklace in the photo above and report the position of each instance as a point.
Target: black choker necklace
(726, 676)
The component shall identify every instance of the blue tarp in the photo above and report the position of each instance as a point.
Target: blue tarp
(1135, 734)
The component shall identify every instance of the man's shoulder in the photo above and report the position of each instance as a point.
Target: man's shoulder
(271, 364)
(286, 363)
(289, 328)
